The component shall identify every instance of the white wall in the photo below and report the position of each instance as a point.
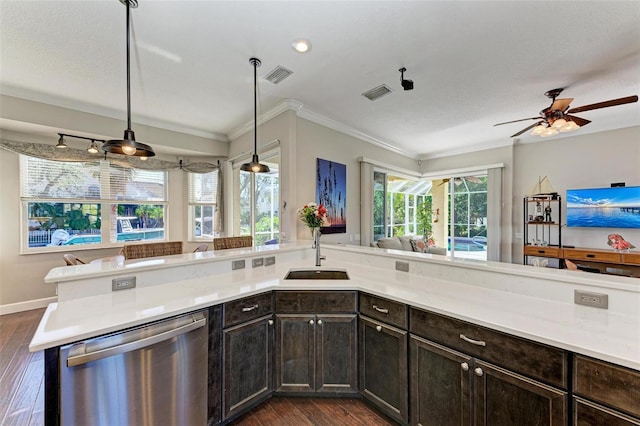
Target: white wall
(590, 161)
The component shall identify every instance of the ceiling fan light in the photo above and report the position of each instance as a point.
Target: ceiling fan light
(538, 129)
(559, 123)
(549, 131)
(570, 126)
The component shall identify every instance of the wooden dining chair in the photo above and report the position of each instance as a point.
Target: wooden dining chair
(201, 247)
(224, 243)
(71, 260)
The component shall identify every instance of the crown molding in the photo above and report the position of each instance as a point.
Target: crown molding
(286, 105)
(44, 98)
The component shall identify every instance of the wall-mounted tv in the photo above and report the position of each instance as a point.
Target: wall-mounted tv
(617, 207)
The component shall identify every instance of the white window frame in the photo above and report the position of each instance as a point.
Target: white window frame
(191, 209)
(106, 202)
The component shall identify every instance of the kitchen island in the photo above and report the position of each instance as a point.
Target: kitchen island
(529, 304)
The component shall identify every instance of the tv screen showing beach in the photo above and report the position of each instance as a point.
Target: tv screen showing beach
(604, 207)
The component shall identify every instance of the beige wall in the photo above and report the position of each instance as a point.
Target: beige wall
(590, 161)
(21, 276)
(581, 161)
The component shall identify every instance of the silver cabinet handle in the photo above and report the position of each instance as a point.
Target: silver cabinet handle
(250, 308)
(473, 342)
(319, 322)
(270, 322)
(379, 328)
(478, 372)
(73, 361)
(464, 366)
(311, 322)
(381, 310)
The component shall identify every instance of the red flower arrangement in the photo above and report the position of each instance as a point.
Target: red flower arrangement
(313, 215)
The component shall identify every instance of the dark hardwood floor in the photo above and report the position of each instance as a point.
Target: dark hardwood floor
(22, 389)
(285, 411)
(22, 372)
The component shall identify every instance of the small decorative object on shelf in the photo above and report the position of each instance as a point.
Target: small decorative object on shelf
(618, 243)
(547, 214)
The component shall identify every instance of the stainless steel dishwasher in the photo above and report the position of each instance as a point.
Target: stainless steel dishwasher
(154, 374)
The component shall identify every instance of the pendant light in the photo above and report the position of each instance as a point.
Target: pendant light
(254, 166)
(128, 144)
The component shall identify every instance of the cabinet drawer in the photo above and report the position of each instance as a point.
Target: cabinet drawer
(382, 309)
(594, 255)
(615, 386)
(542, 251)
(535, 360)
(586, 413)
(631, 258)
(317, 302)
(247, 308)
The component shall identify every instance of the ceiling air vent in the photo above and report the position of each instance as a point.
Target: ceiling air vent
(377, 92)
(278, 74)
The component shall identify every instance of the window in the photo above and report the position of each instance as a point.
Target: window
(90, 204)
(203, 193)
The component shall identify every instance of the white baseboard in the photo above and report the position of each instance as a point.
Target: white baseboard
(12, 308)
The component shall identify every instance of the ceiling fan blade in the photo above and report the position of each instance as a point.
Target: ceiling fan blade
(579, 121)
(605, 104)
(515, 121)
(561, 104)
(525, 129)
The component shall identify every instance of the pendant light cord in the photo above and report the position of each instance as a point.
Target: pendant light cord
(128, 70)
(255, 107)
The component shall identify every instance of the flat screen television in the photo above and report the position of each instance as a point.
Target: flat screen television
(617, 207)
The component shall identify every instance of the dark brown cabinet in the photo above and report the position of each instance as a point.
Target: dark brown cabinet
(316, 343)
(492, 378)
(383, 367)
(605, 394)
(247, 338)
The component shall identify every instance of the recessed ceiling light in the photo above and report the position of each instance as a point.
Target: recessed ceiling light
(301, 45)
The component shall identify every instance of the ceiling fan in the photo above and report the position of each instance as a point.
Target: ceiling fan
(557, 117)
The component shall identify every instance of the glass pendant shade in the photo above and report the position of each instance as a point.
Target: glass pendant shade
(559, 123)
(571, 125)
(538, 129)
(549, 131)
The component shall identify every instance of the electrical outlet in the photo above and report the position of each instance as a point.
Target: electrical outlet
(268, 261)
(123, 283)
(402, 266)
(596, 300)
(257, 262)
(237, 264)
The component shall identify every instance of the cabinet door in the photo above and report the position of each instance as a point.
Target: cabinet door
(336, 354)
(504, 398)
(248, 364)
(383, 367)
(295, 353)
(440, 385)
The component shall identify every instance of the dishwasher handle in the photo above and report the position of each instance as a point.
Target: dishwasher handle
(76, 360)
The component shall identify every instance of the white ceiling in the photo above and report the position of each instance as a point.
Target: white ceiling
(473, 63)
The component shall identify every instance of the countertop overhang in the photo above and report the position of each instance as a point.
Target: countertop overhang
(533, 303)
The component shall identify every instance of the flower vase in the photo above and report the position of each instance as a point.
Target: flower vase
(315, 234)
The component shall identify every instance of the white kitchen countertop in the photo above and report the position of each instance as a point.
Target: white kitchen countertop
(533, 303)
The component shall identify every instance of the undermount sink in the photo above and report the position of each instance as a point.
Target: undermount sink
(317, 274)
